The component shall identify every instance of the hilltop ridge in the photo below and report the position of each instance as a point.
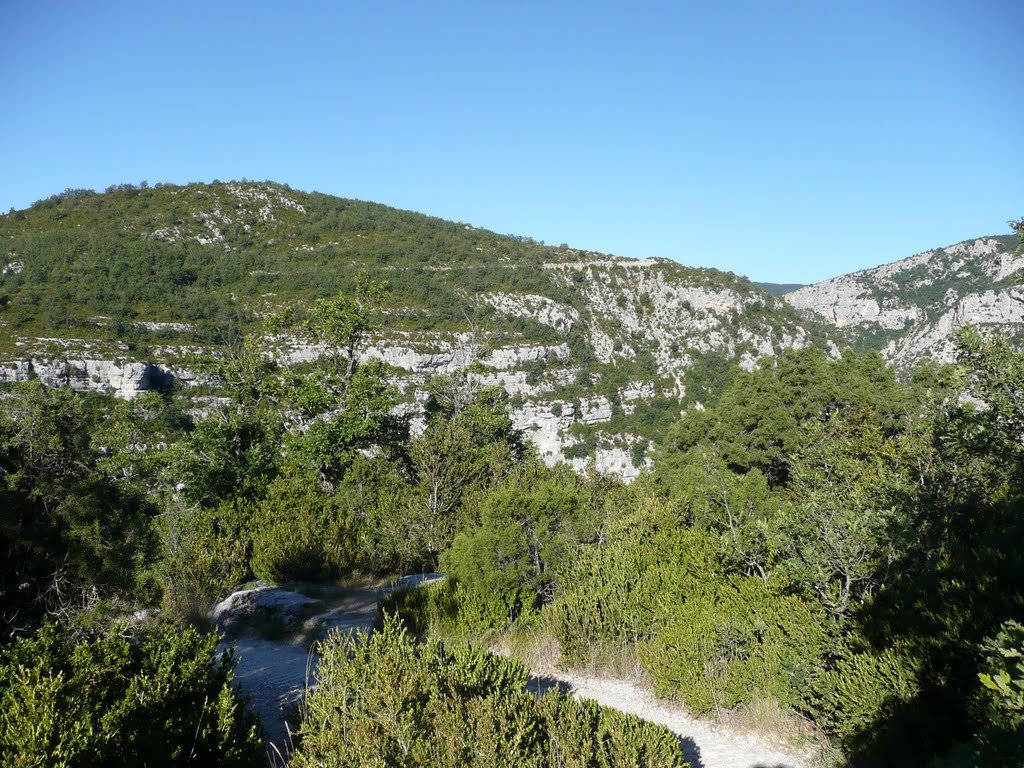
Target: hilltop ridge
(117, 289)
(909, 309)
(121, 289)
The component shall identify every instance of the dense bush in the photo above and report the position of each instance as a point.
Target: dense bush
(759, 420)
(661, 590)
(68, 527)
(452, 609)
(510, 560)
(732, 642)
(163, 701)
(618, 592)
(207, 554)
(863, 689)
(389, 701)
(300, 533)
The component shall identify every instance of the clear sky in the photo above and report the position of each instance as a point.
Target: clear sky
(787, 141)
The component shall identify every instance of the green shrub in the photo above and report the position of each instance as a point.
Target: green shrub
(509, 562)
(423, 609)
(387, 700)
(1000, 741)
(585, 734)
(67, 529)
(300, 534)
(161, 702)
(452, 608)
(861, 689)
(1004, 660)
(733, 642)
(619, 593)
(607, 604)
(522, 534)
(206, 556)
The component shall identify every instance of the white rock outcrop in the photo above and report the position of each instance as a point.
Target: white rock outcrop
(271, 603)
(533, 307)
(127, 380)
(918, 303)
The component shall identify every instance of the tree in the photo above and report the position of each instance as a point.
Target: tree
(343, 407)
(516, 550)
(852, 518)
(469, 445)
(758, 422)
(68, 533)
(337, 328)
(738, 509)
(996, 377)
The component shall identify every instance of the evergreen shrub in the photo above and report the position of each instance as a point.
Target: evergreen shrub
(855, 694)
(300, 534)
(388, 700)
(736, 641)
(164, 701)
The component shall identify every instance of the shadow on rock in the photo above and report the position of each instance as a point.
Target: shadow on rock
(541, 684)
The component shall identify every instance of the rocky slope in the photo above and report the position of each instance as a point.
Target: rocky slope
(116, 291)
(909, 309)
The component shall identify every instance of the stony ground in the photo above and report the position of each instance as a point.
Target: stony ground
(275, 671)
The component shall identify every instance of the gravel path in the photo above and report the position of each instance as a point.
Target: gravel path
(705, 745)
(274, 674)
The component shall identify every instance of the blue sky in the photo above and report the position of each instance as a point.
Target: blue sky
(787, 141)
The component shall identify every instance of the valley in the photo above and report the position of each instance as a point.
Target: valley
(698, 501)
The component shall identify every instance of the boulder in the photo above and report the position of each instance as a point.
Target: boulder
(272, 603)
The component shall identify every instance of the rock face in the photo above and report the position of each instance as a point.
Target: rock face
(653, 318)
(556, 354)
(125, 379)
(650, 308)
(910, 309)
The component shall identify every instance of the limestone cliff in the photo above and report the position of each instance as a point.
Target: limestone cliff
(909, 309)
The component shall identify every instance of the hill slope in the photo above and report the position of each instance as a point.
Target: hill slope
(116, 289)
(909, 309)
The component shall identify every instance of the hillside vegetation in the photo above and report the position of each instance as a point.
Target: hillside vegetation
(187, 254)
(578, 338)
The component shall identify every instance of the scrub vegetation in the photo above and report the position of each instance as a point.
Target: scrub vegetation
(821, 533)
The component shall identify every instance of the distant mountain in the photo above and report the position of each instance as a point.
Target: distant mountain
(779, 289)
(909, 309)
(116, 290)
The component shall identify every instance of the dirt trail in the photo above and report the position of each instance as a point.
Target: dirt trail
(275, 673)
(705, 744)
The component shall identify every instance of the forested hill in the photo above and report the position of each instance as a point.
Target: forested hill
(118, 290)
